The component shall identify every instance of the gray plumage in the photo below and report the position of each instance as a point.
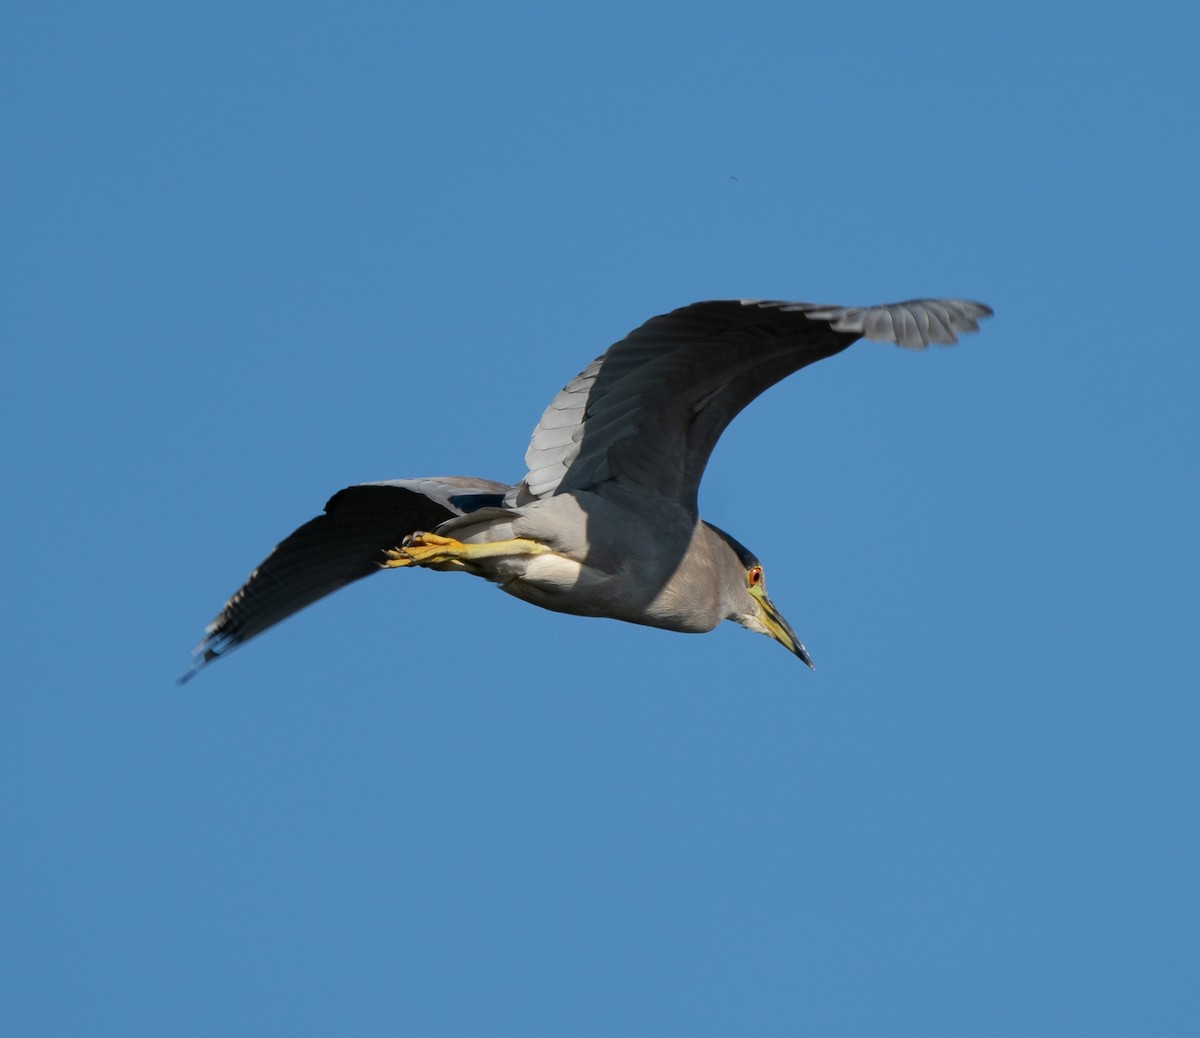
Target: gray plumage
(605, 522)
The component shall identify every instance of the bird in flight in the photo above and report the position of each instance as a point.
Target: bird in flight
(605, 521)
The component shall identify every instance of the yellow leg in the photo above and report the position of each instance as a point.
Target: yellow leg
(428, 549)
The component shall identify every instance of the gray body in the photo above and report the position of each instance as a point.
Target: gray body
(605, 521)
(598, 559)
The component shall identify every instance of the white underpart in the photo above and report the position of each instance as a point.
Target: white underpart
(548, 580)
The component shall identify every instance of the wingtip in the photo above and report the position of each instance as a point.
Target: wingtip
(913, 324)
(203, 657)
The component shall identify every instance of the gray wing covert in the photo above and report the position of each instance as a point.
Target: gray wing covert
(341, 546)
(648, 412)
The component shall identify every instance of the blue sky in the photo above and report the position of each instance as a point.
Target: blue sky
(254, 253)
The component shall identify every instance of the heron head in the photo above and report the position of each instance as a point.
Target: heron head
(762, 616)
(746, 592)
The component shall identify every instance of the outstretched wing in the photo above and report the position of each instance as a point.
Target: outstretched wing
(343, 545)
(648, 412)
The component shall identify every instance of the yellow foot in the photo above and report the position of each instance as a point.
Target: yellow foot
(428, 549)
(394, 558)
(425, 549)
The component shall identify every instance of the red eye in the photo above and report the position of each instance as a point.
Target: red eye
(754, 576)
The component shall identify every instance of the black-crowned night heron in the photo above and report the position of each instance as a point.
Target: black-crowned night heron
(605, 521)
